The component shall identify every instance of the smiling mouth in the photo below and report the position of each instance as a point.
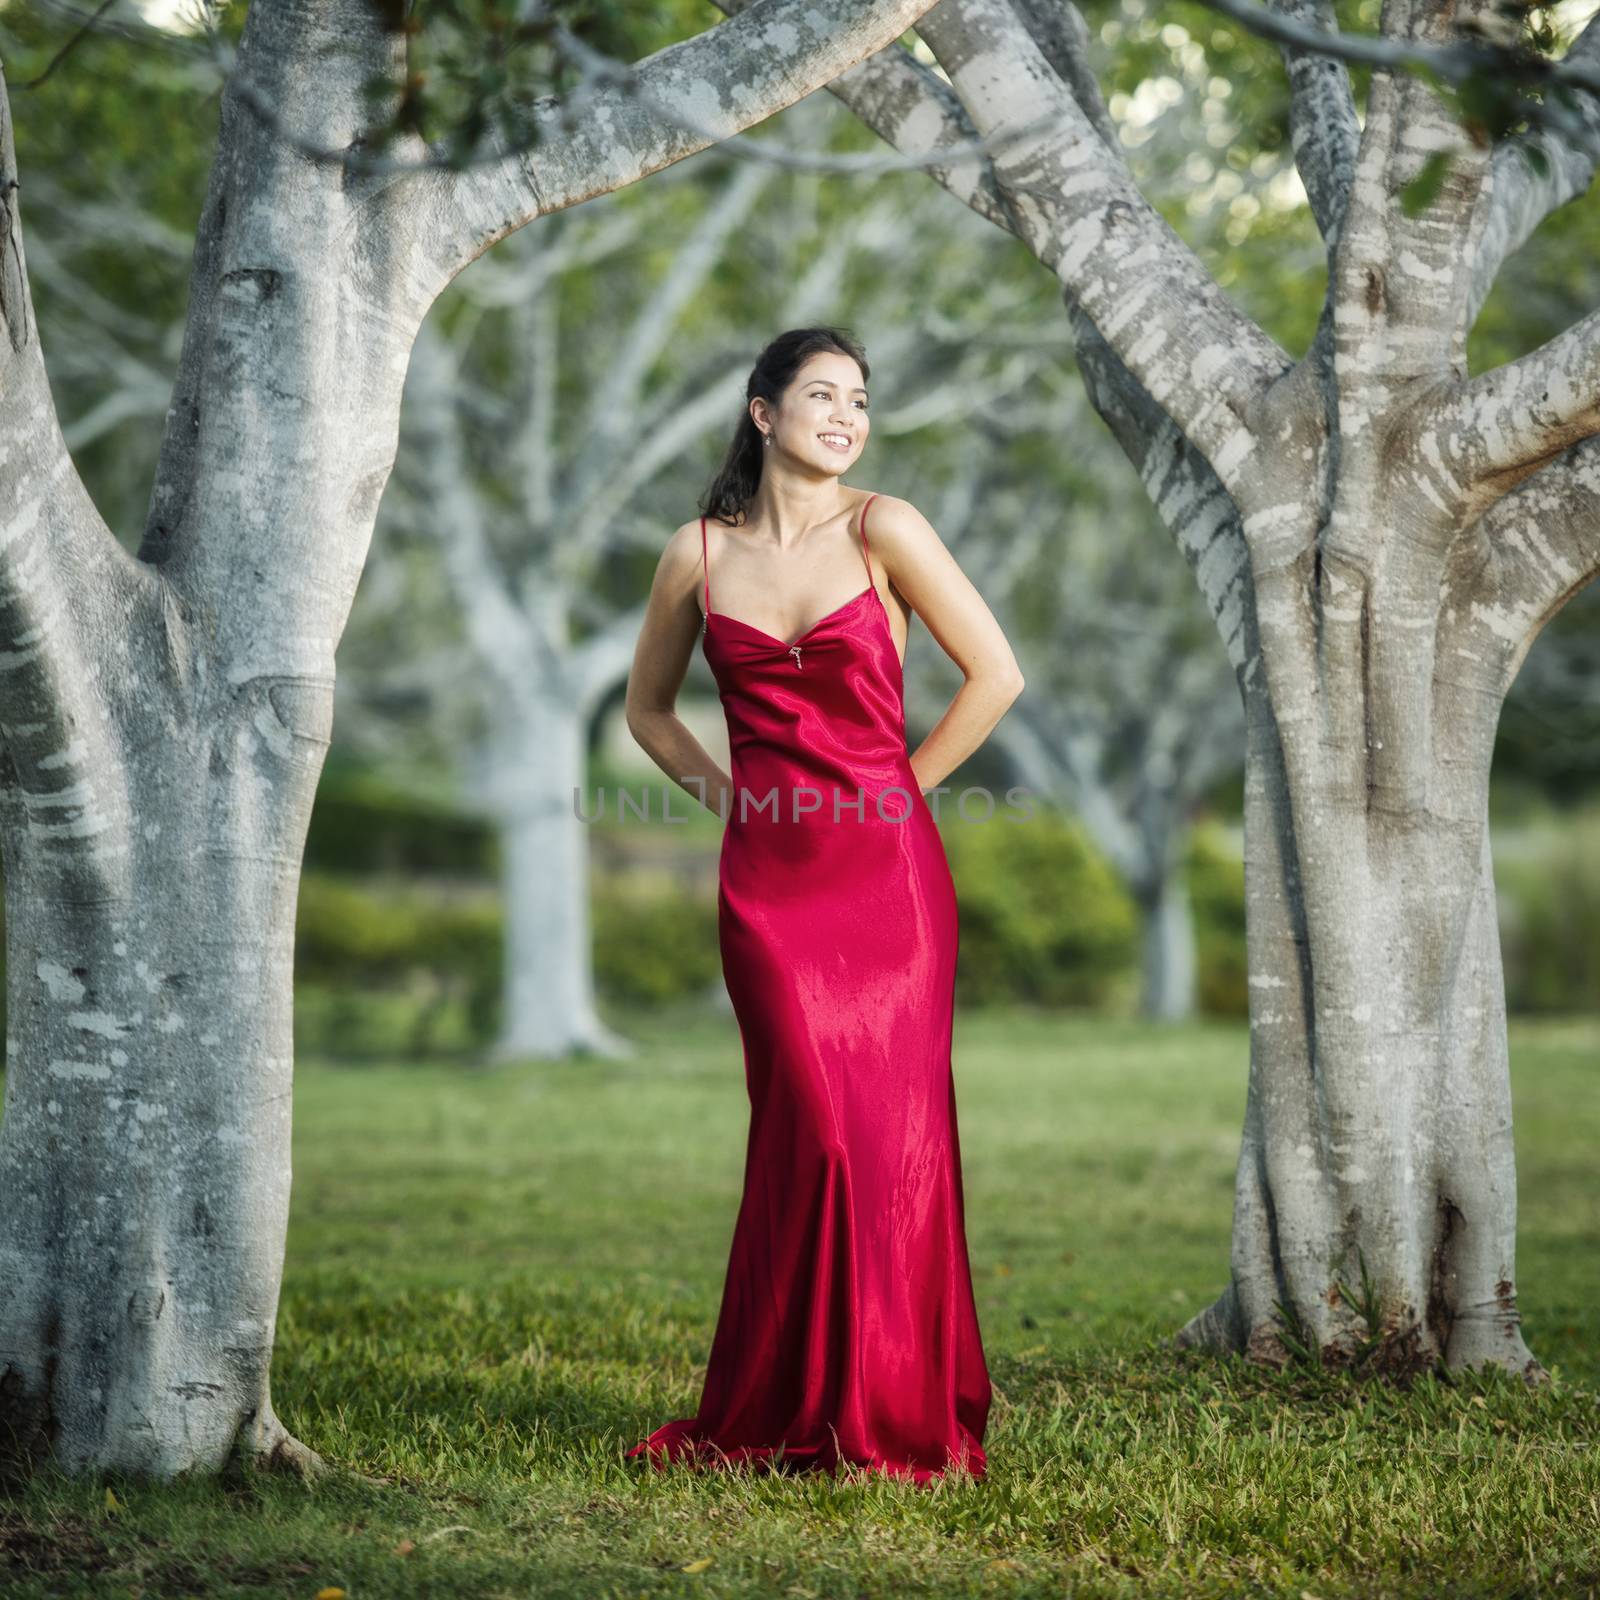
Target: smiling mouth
(836, 441)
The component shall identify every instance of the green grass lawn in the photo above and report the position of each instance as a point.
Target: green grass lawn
(497, 1283)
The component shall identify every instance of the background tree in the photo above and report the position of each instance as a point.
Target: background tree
(169, 711)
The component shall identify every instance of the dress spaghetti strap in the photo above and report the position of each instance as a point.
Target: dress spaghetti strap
(705, 561)
(866, 549)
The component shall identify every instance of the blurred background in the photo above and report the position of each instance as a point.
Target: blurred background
(571, 396)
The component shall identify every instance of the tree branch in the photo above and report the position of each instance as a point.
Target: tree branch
(1062, 36)
(1322, 117)
(65, 585)
(1493, 431)
(1193, 503)
(724, 80)
(500, 634)
(1528, 555)
(1082, 215)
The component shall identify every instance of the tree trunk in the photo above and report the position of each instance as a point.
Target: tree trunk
(1377, 1129)
(549, 1008)
(144, 1155)
(1167, 942)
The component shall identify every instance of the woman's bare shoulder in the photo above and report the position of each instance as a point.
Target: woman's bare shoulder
(900, 520)
(682, 548)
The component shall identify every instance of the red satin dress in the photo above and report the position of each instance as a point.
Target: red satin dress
(848, 1330)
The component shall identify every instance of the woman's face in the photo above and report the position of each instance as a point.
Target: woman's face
(822, 419)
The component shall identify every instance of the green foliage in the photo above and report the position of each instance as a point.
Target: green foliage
(1043, 918)
(363, 823)
(1418, 194)
(91, 124)
(479, 67)
(1548, 742)
(653, 944)
(1216, 893)
(386, 968)
(1550, 918)
(400, 970)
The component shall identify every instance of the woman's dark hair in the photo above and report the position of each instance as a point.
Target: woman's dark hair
(740, 473)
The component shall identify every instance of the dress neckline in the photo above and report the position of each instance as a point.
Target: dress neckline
(872, 588)
(799, 638)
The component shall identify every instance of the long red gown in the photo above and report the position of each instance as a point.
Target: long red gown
(848, 1330)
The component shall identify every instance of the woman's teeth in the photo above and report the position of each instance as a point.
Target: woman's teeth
(836, 441)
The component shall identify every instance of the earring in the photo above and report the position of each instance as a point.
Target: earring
(766, 438)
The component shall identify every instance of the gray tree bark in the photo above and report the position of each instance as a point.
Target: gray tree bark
(1380, 538)
(167, 714)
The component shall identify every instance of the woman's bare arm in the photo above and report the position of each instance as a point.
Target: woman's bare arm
(660, 662)
(922, 570)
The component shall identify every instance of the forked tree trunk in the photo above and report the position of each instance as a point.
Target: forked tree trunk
(166, 716)
(1380, 539)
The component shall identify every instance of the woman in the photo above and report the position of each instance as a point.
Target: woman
(848, 1330)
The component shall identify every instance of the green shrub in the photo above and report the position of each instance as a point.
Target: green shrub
(1043, 918)
(1216, 894)
(362, 823)
(413, 971)
(394, 969)
(1550, 918)
(653, 943)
